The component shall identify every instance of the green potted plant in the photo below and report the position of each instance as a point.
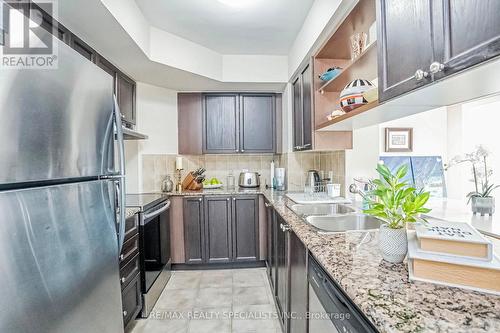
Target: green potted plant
(482, 200)
(396, 203)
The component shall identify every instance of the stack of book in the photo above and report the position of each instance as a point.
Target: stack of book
(453, 254)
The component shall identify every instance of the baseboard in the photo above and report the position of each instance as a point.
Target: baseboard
(229, 265)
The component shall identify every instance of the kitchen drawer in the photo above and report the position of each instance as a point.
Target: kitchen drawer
(129, 271)
(131, 226)
(131, 300)
(130, 249)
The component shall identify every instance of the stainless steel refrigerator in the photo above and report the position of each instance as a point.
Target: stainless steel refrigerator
(61, 199)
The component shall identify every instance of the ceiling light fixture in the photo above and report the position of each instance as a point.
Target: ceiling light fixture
(238, 3)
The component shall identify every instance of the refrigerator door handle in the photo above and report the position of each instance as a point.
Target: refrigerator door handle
(121, 177)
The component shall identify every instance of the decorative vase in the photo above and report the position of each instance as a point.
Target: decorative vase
(483, 205)
(393, 244)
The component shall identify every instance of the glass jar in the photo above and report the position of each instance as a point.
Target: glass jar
(167, 184)
(230, 183)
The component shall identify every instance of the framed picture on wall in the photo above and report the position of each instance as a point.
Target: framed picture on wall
(398, 140)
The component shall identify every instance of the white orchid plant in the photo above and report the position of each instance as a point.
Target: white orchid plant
(480, 171)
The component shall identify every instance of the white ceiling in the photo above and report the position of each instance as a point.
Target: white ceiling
(264, 27)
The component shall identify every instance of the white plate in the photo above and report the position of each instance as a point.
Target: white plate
(208, 187)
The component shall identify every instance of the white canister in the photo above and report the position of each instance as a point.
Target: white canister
(333, 190)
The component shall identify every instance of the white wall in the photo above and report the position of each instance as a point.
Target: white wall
(254, 68)
(157, 118)
(172, 50)
(429, 133)
(361, 161)
(481, 120)
(130, 17)
(319, 17)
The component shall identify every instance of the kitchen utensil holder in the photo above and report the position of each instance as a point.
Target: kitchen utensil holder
(189, 183)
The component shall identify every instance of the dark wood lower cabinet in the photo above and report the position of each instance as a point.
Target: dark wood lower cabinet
(288, 275)
(271, 244)
(130, 271)
(218, 231)
(221, 229)
(131, 300)
(298, 296)
(245, 228)
(194, 234)
(282, 271)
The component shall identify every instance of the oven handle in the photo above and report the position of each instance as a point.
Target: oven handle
(157, 212)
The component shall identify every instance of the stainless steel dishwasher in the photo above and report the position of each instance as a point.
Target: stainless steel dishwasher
(331, 311)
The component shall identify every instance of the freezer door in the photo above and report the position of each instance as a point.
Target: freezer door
(56, 123)
(59, 259)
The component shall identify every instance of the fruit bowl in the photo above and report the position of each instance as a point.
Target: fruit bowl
(208, 187)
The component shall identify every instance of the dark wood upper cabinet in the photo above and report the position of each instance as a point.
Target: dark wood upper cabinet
(218, 229)
(81, 47)
(48, 23)
(257, 123)
(405, 46)
(307, 111)
(467, 33)
(420, 42)
(298, 297)
(297, 114)
(232, 123)
(245, 228)
(302, 110)
(125, 93)
(220, 124)
(194, 230)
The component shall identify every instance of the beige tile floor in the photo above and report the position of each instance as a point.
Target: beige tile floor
(218, 301)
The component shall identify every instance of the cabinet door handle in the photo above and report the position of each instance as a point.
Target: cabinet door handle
(436, 67)
(122, 280)
(420, 75)
(307, 145)
(122, 256)
(237, 150)
(267, 205)
(125, 313)
(199, 199)
(234, 199)
(227, 199)
(286, 228)
(243, 150)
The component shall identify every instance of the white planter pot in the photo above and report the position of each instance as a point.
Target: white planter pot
(393, 244)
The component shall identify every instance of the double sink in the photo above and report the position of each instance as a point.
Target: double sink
(335, 217)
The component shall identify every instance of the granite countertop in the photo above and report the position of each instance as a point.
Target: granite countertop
(382, 290)
(131, 211)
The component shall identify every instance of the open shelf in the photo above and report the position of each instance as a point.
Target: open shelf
(348, 115)
(363, 67)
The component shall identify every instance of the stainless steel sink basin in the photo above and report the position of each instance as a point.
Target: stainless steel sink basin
(343, 223)
(321, 209)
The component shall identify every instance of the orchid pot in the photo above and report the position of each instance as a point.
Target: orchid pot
(483, 205)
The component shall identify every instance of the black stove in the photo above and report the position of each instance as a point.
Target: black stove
(145, 201)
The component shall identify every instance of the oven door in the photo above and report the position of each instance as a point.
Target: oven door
(155, 244)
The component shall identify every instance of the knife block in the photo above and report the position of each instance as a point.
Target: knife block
(189, 183)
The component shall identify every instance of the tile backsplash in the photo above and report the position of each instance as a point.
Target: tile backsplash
(156, 167)
(298, 163)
